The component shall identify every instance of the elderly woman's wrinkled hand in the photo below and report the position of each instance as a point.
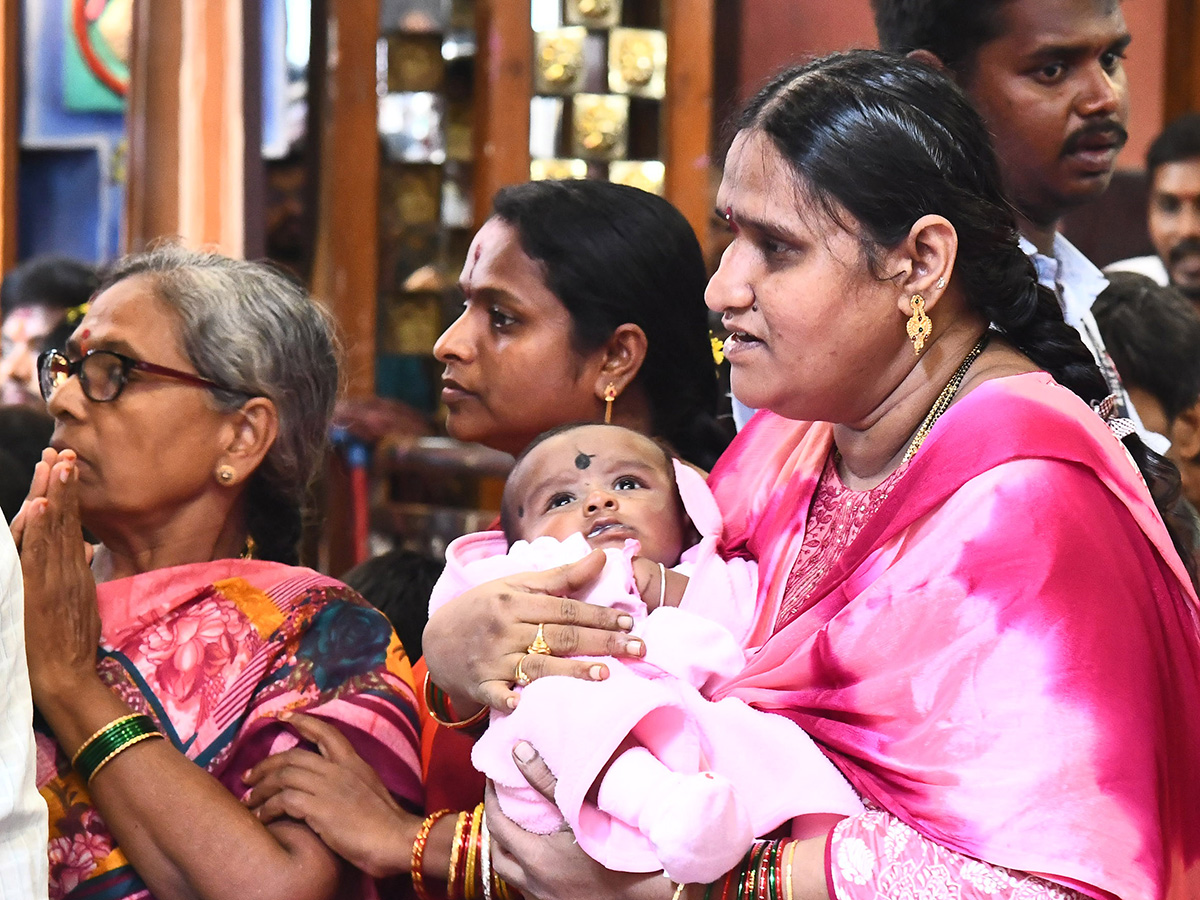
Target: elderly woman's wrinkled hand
(338, 795)
(38, 488)
(473, 644)
(62, 624)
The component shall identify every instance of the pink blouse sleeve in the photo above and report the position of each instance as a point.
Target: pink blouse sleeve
(874, 855)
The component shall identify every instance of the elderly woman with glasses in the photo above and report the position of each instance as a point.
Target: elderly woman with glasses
(190, 406)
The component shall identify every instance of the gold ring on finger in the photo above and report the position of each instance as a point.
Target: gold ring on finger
(539, 645)
(522, 678)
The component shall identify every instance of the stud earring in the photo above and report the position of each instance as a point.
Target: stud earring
(225, 474)
(919, 326)
(941, 283)
(610, 394)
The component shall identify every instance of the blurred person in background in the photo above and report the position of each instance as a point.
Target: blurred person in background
(36, 300)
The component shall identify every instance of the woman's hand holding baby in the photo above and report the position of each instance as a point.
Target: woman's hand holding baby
(473, 644)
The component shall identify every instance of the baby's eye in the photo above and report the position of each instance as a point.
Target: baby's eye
(560, 499)
(627, 483)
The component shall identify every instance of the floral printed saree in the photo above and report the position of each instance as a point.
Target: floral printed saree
(215, 653)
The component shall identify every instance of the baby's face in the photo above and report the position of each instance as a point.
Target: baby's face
(608, 484)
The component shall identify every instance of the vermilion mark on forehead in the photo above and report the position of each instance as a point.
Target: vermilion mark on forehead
(473, 263)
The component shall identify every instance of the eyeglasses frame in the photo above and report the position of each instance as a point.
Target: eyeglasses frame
(128, 364)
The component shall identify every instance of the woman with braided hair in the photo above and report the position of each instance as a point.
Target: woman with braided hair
(971, 587)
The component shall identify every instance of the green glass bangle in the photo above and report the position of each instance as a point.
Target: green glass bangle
(118, 736)
(772, 860)
(745, 889)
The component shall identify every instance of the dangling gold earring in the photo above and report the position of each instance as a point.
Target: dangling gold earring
(225, 474)
(610, 394)
(920, 326)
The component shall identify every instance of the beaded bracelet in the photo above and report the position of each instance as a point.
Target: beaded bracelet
(114, 738)
(438, 704)
(418, 852)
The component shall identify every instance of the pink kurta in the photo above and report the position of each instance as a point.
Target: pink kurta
(1006, 657)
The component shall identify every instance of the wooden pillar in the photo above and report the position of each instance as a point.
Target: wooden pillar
(345, 258)
(10, 119)
(688, 110)
(1182, 88)
(504, 82)
(187, 134)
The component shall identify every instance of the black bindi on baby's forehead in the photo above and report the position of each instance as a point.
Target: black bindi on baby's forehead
(583, 460)
(520, 510)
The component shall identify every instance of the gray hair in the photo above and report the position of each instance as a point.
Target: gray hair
(248, 327)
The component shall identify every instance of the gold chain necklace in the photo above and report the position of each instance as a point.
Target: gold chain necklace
(942, 403)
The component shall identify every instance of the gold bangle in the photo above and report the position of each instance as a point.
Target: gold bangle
(787, 870)
(455, 850)
(418, 853)
(472, 853)
(456, 726)
(125, 746)
(99, 731)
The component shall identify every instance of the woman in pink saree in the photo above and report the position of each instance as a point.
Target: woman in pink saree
(190, 407)
(972, 588)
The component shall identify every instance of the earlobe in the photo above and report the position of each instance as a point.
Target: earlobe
(929, 252)
(1185, 433)
(624, 353)
(929, 58)
(252, 431)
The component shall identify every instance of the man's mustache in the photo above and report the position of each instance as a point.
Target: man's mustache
(1112, 130)
(1189, 246)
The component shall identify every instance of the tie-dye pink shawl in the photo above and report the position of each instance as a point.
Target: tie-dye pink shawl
(1007, 656)
(215, 652)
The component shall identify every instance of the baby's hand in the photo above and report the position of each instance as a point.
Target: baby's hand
(648, 575)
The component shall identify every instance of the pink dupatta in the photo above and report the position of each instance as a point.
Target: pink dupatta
(1007, 657)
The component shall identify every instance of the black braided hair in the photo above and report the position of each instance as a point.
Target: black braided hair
(915, 147)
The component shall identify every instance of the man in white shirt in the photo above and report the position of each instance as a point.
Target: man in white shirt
(1048, 78)
(1173, 212)
(24, 827)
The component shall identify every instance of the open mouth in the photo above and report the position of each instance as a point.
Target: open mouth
(1096, 150)
(739, 340)
(607, 527)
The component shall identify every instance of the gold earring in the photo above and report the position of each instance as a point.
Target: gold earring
(610, 394)
(920, 326)
(225, 474)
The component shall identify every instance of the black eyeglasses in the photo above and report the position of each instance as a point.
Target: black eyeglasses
(103, 374)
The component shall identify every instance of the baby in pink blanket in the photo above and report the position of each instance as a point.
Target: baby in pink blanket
(651, 775)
